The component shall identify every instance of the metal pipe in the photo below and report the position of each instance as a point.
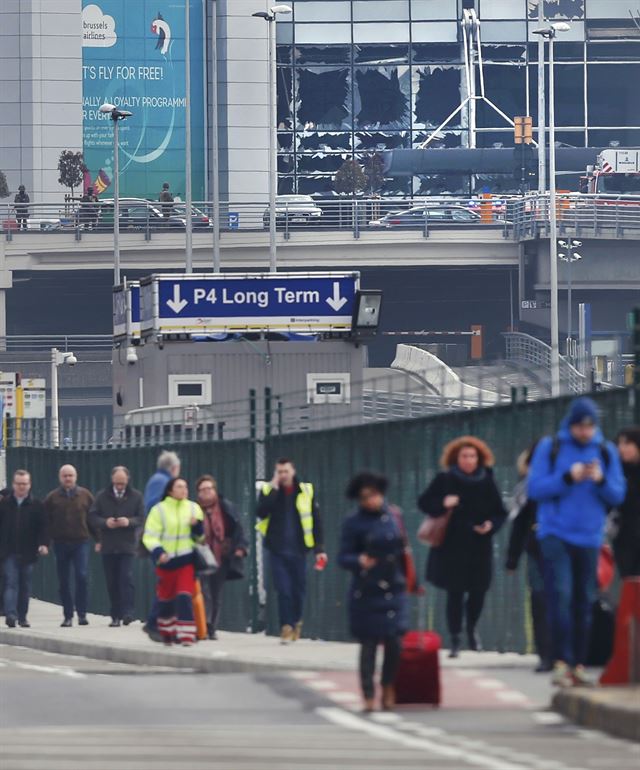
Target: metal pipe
(542, 143)
(187, 140)
(273, 148)
(553, 235)
(215, 143)
(116, 201)
(55, 421)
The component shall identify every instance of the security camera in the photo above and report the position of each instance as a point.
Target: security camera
(106, 107)
(132, 356)
(70, 359)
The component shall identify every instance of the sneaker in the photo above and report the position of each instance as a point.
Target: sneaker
(297, 631)
(286, 634)
(24, 623)
(115, 623)
(11, 622)
(580, 677)
(153, 634)
(82, 620)
(561, 676)
(66, 623)
(127, 620)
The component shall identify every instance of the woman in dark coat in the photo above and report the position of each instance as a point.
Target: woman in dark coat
(626, 543)
(372, 549)
(462, 564)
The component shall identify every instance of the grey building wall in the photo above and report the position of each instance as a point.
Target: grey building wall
(40, 91)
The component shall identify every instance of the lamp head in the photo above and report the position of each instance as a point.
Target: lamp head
(107, 107)
(283, 9)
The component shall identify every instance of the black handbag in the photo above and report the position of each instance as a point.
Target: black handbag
(235, 570)
(204, 560)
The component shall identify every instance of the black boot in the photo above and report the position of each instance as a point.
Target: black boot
(455, 646)
(475, 643)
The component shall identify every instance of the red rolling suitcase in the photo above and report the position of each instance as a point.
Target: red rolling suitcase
(418, 678)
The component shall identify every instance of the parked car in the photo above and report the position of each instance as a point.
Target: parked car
(414, 218)
(294, 210)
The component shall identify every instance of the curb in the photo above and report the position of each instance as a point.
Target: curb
(613, 710)
(162, 657)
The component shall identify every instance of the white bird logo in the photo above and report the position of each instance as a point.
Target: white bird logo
(160, 28)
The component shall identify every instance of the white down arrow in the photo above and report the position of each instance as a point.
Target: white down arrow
(176, 304)
(337, 302)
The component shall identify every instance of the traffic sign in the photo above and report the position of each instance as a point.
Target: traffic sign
(196, 304)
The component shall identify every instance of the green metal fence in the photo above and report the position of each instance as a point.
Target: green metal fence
(407, 451)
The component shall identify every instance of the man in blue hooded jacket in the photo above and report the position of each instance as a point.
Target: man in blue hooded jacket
(575, 477)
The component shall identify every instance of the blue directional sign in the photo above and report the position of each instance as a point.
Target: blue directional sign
(195, 304)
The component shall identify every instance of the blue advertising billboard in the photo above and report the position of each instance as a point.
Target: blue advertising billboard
(134, 57)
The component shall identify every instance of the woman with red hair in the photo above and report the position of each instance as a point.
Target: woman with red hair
(465, 489)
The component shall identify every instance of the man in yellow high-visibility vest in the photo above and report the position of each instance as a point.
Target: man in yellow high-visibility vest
(291, 524)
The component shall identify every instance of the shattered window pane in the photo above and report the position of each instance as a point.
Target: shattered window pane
(613, 92)
(378, 140)
(560, 9)
(437, 94)
(381, 55)
(445, 139)
(285, 97)
(434, 53)
(516, 53)
(624, 137)
(324, 141)
(506, 87)
(285, 140)
(285, 185)
(324, 98)
(321, 162)
(322, 54)
(381, 97)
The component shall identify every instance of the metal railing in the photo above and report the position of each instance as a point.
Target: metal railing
(44, 342)
(517, 217)
(525, 348)
(150, 219)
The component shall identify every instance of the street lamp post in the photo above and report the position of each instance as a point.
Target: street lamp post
(550, 33)
(58, 358)
(116, 116)
(570, 255)
(270, 17)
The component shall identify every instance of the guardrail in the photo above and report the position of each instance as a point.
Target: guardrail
(152, 219)
(525, 348)
(44, 342)
(511, 217)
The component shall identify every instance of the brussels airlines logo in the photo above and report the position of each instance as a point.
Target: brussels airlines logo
(160, 28)
(98, 29)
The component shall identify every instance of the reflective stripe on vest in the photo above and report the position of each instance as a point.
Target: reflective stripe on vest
(175, 536)
(304, 506)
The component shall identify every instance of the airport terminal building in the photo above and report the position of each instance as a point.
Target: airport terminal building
(354, 77)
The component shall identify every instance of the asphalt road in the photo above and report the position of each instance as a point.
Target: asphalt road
(67, 713)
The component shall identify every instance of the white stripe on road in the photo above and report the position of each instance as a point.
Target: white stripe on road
(59, 670)
(344, 697)
(352, 722)
(547, 718)
(322, 684)
(512, 696)
(489, 684)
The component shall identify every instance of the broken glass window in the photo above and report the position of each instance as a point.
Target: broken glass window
(434, 53)
(379, 140)
(514, 53)
(322, 54)
(324, 98)
(506, 87)
(285, 140)
(613, 91)
(381, 97)
(321, 162)
(558, 9)
(381, 55)
(437, 94)
(324, 141)
(285, 97)
(445, 139)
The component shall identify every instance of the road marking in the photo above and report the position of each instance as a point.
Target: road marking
(59, 670)
(489, 684)
(344, 697)
(303, 674)
(547, 718)
(352, 722)
(467, 673)
(512, 696)
(386, 717)
(323, 684)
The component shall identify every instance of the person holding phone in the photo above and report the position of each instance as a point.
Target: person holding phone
(462, 565)
(575, 477)
(116, 516)
(291, 524)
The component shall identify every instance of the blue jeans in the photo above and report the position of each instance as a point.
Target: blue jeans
(17, 588)
(73, 556)
(570, 574)
(118, 573)
(289, 573)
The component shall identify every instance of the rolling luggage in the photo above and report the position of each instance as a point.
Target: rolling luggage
(418, 678)
(199, 614)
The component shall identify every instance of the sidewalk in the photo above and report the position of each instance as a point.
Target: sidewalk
(233, 653)
(614, 710)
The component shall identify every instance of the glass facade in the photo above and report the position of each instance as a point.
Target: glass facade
(360, 76)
